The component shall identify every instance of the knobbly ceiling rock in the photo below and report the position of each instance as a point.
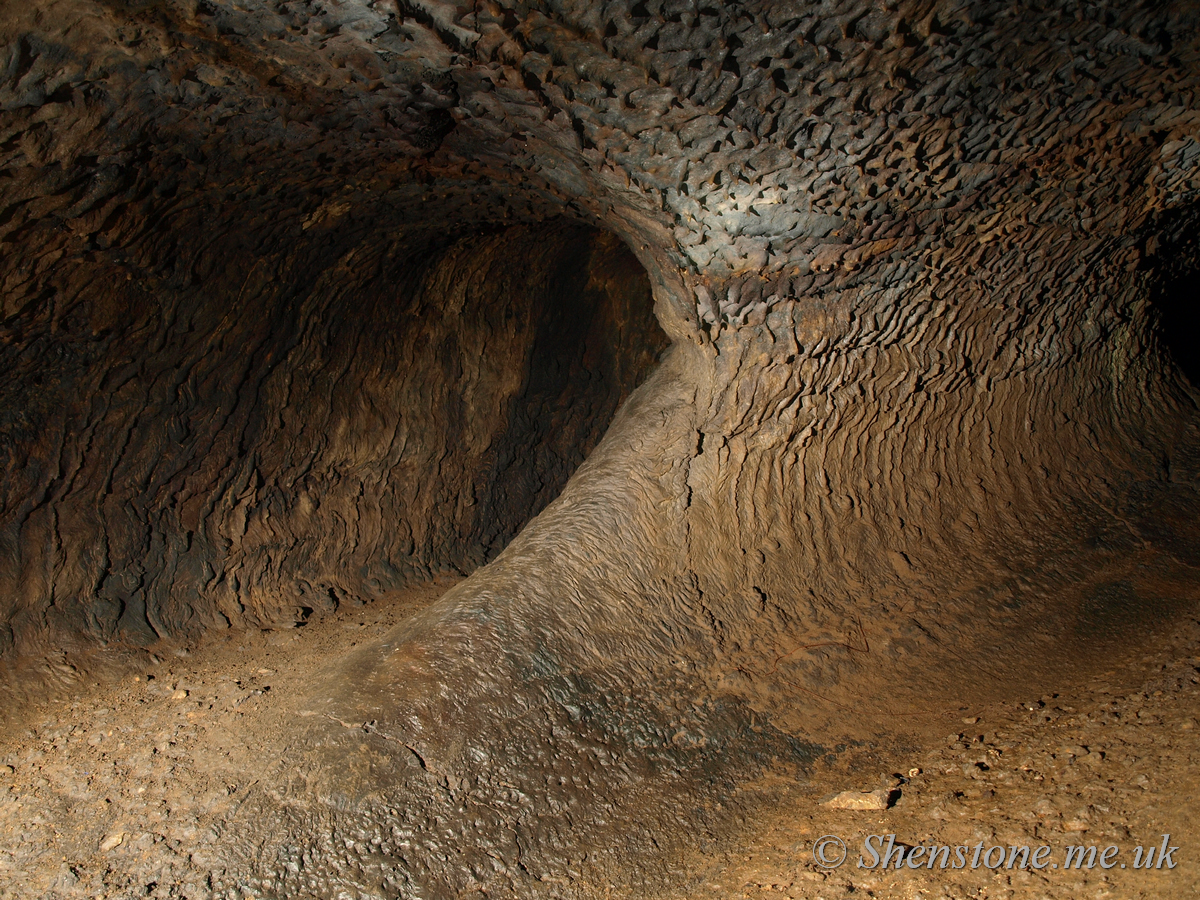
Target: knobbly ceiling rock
(306, 300)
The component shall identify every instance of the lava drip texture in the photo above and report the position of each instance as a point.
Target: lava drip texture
(368, 411)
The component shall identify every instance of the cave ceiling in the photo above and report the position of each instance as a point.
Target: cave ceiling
(766, 151)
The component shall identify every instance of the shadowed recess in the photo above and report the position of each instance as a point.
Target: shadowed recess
(1176, 295)
(360, 415)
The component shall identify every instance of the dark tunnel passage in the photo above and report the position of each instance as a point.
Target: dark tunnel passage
(593, 339)
(1176, 295)
(453, 382)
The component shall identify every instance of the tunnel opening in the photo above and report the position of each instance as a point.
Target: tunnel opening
(302, 420)
(582, 310)
(481, 367)
(1178, 301)
(1176, 290)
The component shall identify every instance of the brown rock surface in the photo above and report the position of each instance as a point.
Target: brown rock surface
(305, 303)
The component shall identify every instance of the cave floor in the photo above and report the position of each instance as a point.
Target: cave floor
(119, 788)
(1110, 760)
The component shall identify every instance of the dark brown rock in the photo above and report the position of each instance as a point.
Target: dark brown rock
(306, 301)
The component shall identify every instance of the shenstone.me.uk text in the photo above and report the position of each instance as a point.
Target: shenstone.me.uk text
(882, 851)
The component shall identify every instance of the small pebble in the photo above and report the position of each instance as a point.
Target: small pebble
(111, 842)
(858, 800)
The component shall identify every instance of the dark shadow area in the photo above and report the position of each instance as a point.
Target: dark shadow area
(1179, 302)
(594, 339)
(1176, 294)
(302, 420)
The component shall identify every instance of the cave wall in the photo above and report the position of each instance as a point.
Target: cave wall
(298, 427)
(919, 409)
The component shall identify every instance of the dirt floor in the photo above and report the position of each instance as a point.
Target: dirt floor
(1110, 761)
(116, 784)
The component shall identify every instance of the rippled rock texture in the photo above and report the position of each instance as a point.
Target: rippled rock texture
(307, 300)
